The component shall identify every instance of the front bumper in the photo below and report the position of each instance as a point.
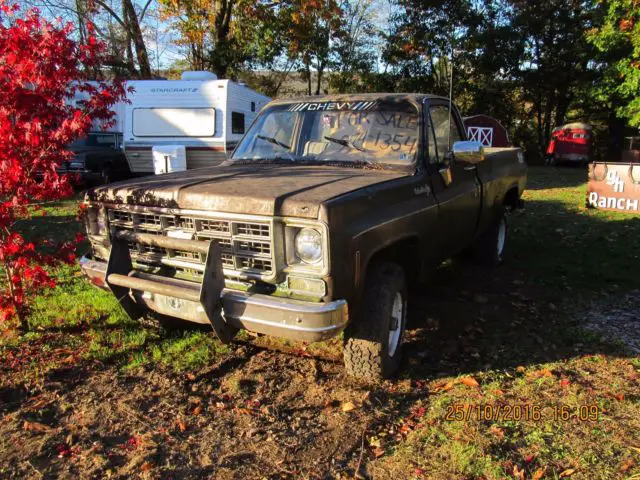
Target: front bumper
(279, 317)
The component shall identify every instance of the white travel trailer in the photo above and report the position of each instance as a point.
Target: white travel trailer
(193, 122)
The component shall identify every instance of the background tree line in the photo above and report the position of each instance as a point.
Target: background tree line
(533, 65)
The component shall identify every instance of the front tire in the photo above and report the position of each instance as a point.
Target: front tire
(373, 341)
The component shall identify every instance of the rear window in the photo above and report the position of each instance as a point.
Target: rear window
(174, 122)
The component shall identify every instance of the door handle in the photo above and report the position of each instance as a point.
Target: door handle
(470, 168)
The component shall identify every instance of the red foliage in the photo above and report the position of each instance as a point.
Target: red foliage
(41, 70)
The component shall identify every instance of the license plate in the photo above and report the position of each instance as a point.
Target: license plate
(170, 302)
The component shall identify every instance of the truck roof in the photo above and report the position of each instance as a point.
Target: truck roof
(343, 97)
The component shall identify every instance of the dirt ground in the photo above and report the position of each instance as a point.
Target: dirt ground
(262, 413)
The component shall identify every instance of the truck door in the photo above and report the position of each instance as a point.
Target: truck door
(455, 182)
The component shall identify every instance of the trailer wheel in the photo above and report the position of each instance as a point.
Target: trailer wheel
(373, 341)
(491, 245)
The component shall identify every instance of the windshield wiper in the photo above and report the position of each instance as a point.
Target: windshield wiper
(344, 143)
(275, 141)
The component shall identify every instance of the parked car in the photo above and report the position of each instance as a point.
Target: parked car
(571, 143)
(98, 159)
(329, 209)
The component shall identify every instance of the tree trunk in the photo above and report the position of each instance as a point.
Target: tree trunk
(142, 56)
(308, 74)
(319, 79)
(128, 47)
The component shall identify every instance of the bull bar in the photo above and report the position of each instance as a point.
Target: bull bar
(226, 310)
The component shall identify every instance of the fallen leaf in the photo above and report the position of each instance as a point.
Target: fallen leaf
(517, 473)
(375, 442)
(220, 405)
(181, 425)
(443, 387)
(146, 466)
(567, 473)
(497, 431)
(545, 372)
(378, 452)
(498, 392)
(469, 382)
(197, 410)
(619, 396)
(243, 410)
(627, 465)
(191, 377)
(520, 369)
(538, 474)
(348, 406)
(564, 382)
(35, 427)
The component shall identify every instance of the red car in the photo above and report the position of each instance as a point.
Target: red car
(571, 143)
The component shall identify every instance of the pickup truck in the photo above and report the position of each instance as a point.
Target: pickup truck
(98, 159)
(328, 210)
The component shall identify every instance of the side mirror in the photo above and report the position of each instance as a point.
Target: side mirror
(468, 151)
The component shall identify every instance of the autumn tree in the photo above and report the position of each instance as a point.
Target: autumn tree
(42, 69)
(120, 24)
(617, 40)
(355, 53)
(215, 34)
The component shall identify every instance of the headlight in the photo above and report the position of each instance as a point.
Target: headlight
(309, 245)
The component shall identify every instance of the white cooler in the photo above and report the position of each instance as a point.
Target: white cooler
(169, 158)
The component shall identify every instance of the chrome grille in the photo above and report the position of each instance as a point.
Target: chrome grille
(246, 246)
(252, 229)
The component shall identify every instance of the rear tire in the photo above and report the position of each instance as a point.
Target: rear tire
(373, 341)
(491, 245)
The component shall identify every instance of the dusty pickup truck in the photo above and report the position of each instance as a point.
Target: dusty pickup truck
(327, 211)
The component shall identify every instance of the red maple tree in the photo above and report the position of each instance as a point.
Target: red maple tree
(42, 70)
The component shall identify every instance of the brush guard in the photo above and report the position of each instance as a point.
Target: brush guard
(121, 278)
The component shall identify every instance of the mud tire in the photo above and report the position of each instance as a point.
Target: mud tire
(367, 338)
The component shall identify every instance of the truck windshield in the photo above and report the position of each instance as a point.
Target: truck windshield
(358, 132)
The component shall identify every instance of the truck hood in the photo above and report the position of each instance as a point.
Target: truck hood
(280, 190)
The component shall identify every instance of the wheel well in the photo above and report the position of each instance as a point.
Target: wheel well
(406, 252)
(511, 198)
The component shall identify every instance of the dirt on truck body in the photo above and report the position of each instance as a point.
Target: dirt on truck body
(326, 213)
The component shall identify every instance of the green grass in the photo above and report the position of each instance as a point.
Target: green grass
(571, 255)
(90, 319)
(570, 248)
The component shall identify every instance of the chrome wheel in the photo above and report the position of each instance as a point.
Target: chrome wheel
(502, 236)
(395, 329)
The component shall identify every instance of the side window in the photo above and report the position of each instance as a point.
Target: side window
(237, 122)
(444, 138)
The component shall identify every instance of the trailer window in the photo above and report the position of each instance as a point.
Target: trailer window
(237, 122)
(174, 122)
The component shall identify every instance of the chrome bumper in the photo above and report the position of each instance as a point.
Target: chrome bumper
(269, 315)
